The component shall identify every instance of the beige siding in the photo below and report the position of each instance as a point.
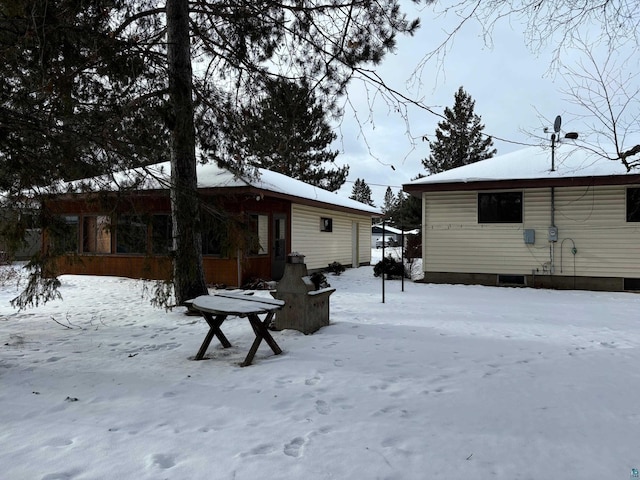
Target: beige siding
(590, 218)
(323, 248)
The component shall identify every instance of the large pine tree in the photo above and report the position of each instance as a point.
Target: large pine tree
(286, 131)
(103, 83)
(459, 138)
(69, 94)
(74, 102)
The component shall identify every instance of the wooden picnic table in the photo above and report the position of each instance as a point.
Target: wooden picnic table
(217, 307)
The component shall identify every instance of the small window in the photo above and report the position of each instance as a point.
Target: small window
(96, 234)
(500, 207)
(633, 204)
(131, 236)
(326, 224)
(161, 234)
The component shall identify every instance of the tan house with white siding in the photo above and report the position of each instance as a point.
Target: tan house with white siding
(512, 220)
(250, 225)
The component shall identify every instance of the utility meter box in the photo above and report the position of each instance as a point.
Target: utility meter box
(553, 234)
(529, 235)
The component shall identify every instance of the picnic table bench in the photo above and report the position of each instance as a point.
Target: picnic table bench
(217, 307)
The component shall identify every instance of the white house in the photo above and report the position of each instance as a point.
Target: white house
(514, 220)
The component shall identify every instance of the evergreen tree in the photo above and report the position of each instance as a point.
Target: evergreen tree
(287, 132)
(361, 192)
(408, 211)
(70, 90)
(459, 138)
(68, 94)
(389, 203)
(105, 84)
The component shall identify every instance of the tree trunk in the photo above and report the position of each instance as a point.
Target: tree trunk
(188, 271)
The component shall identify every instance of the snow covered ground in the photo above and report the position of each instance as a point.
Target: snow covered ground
(438, 382)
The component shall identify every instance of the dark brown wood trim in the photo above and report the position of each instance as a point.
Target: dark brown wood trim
(523, 183)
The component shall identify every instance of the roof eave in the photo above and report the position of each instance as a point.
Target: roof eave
(292, 198)
(417, 189)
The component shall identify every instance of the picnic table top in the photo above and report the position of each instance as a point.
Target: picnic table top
(224, 303)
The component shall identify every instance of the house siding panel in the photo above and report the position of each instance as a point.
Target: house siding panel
(323, 248)
(591, 218)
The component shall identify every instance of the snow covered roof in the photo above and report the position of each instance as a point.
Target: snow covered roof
(533, 163)
(158, 176)
(377, 228)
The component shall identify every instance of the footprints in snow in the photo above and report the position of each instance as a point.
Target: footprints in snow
(322, 407)
(161, 460)
(294, 447)
(312, 381)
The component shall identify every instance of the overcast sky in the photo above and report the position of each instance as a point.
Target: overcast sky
(511, 85)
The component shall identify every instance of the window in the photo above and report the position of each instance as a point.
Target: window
(131, 235)
(96, 234)
(31, 221)
(500, 207)
(64, 234)
(326, 224)
(213, 232)
(260, 234)
(161, 234)
(279, 237)
(633, 204)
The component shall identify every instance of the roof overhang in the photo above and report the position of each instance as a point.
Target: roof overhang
(251, 190)
(246, 190)
(418, 189)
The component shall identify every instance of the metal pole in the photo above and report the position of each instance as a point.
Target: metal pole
(553, 158)
(402, 236)
(383, 242)
(402, 254)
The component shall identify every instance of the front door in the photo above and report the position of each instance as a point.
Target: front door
(279, 253)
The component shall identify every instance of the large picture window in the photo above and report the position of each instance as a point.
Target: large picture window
(96, 234)
(131, 236)
(633, 204)
(500, 207)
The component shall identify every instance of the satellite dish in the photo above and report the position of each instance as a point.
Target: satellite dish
(557, 123)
